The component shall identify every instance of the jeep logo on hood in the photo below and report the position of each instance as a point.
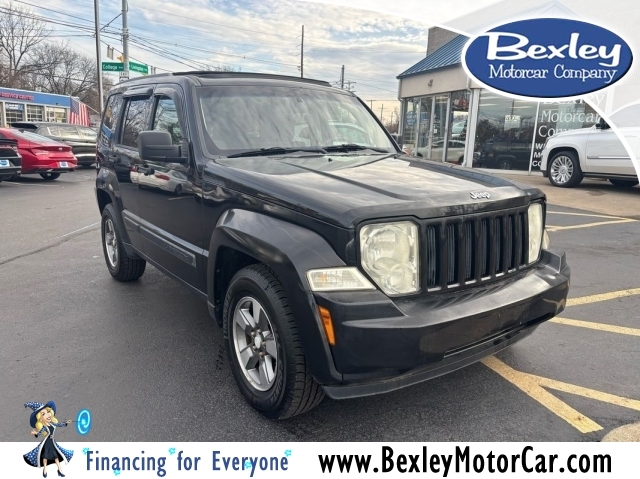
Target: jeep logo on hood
(547, 58)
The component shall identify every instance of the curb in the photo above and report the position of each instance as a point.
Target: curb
(628, 433)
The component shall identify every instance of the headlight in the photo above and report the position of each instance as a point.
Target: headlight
(389, 254)
(337, 279)
(546, 242)
(535, 231)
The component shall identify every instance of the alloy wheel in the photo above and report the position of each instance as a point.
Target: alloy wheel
(111, 242)
(561, 169)
(255, 344)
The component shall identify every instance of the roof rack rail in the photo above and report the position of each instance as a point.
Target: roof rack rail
(252, 75)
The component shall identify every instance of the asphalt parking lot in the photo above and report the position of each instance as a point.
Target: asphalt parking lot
(149, 362)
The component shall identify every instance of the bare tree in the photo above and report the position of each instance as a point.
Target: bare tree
(64, 71)
(20, 34)
(394, 122)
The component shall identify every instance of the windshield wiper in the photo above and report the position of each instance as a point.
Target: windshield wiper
(276, 150)
(353, 147)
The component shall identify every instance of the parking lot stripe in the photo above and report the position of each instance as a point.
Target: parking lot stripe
(586, 392)
(587, 214)
(530, 385)
(590, 225)
(598, 326)
(595, 298)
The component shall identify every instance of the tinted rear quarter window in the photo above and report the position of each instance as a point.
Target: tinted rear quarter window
(111, 111)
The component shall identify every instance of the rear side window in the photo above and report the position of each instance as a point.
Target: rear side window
(112, 111)
(166, 119)
(135, 121)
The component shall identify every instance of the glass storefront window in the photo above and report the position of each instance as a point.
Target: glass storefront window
(35, 113)
(458, 117)
(409, 125)
(556, 117)
(14, 112)
(504, 132)
(424, 132)
(56, 114)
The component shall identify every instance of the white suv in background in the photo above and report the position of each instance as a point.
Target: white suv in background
(594, 152)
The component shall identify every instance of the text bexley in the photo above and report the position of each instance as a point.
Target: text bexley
(609, 57)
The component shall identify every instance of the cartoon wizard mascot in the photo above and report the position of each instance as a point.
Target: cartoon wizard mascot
(43, 420)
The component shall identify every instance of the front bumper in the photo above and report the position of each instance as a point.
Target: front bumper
(383, 345)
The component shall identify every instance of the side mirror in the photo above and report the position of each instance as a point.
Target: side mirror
(602, 125)
(156, 146)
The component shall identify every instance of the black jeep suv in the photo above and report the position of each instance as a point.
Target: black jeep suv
(333, 267)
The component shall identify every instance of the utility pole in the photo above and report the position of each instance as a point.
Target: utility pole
(301, 54)
(96, 9)
(125, 41)
(342, 78)
(371, 102)
(381, 112)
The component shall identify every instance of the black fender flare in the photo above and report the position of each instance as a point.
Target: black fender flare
(107, 182)
(290, 251)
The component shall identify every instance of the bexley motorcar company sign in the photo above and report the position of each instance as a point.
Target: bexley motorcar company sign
(547, 58)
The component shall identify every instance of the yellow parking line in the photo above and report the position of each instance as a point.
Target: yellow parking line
(589, 225)
(587, 214)
(587, 393)
(610, 328)
(595, 298)
(532, 388)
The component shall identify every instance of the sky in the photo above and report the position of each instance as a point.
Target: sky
(263, 36)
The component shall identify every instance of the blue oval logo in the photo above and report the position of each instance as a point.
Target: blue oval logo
(547, 58)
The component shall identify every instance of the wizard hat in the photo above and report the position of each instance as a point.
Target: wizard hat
(37, 407)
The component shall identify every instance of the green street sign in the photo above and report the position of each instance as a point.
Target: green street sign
(112, 67)
(138, 67)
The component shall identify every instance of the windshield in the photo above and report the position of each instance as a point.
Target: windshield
(249, 118)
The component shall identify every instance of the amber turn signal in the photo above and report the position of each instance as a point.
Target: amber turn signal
(327, 323)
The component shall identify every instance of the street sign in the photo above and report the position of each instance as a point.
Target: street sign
(124, 76)
(112, 67)
(138, 67)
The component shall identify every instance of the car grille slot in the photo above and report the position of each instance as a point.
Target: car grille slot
(432, 257)
(474, 249)
(452, 238)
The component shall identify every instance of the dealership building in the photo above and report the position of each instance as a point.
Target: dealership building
(23, 105)
(447, 117)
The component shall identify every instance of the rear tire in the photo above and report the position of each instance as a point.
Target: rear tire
(50, 176)
(292, 390)
(121, 266)
(564, 170)
(178, 190)
(623, 183)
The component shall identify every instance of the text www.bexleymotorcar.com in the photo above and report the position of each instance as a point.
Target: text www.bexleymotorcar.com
(464, 461)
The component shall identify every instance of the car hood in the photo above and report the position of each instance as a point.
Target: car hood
(347, 189)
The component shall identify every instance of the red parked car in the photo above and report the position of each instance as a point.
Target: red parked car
(40, 154)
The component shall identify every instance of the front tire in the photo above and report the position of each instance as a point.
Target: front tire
(564, 170)
(263, 346)
(50, 176)
(623, 183)
(121, 266)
